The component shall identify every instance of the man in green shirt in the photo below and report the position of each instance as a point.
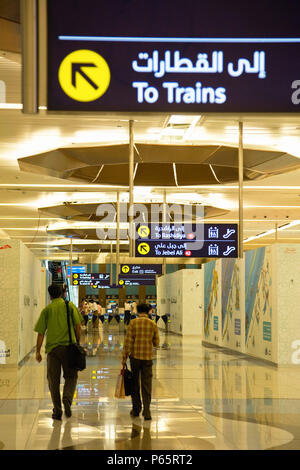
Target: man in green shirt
(53, 321)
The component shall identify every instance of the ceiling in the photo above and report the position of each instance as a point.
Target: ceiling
(267, 202)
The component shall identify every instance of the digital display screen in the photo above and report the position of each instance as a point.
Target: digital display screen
(158, 56)
(187, 240)
(76, 269)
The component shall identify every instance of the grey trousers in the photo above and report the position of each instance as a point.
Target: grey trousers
(142, 371)
(57, 360)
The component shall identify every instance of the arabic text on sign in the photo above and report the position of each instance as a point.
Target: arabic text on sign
(179, 64)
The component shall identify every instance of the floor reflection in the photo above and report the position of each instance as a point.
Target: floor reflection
(203, 398)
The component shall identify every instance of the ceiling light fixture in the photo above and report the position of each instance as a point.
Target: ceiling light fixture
(273, 230)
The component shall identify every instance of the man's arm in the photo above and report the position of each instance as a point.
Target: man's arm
(39, 342)
(155, 340)
(78, 332)
(77, 320)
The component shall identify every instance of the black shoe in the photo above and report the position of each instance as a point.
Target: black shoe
(134, 415)
(57, 417)
(67, 406)
(147, 416)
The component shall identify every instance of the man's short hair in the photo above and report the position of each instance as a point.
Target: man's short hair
(144, 308)
(55, 291)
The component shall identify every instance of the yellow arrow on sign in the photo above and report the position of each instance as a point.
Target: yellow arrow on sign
(84, 75)
(144, 231)
(143, 248)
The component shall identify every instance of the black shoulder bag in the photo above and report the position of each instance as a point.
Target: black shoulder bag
(76, 353)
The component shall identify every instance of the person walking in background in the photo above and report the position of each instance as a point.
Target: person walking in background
(127, 312)
(141, 336)
(133, 310)
(53, 321)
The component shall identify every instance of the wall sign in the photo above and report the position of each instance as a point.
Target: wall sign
(129, 56)
(189, 240)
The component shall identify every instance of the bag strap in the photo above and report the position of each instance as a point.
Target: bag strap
(68, 318)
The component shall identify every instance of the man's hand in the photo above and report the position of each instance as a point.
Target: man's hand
(39, 343)
(38, 356)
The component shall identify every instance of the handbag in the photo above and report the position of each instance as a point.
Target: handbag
(120, 388)
(75, 353)
(128, 376)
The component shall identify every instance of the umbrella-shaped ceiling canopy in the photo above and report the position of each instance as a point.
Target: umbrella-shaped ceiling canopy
(87, 212)
(158, 164)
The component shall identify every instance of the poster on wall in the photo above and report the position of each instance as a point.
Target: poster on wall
(232, 324)
(259, 332)
(212, 302)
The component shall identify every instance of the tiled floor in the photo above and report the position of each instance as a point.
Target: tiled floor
(203, 398)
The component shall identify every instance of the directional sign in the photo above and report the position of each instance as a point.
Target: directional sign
(141, 269)
(136, 281)
(190, 240)
(125, 56)
(96, 280)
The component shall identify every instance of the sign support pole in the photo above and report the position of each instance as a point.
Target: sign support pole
(111, 263)
(118, 239)
(241, 183)
(131, 184)
(164, 270)
(28, 12)
(71, 262)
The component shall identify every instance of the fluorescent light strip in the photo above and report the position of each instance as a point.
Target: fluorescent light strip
(273, 230)
(17, 106)
(46, 237)
(213, 172)
(80, 241)
(30, 218)
(178, 40)
(33, 229)
(67, 186)
(271, 207)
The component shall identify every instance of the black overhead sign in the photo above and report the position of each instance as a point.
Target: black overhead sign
(158, 56)
(97, 280)
(140, 270)
(186, 240)
(132, 280)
